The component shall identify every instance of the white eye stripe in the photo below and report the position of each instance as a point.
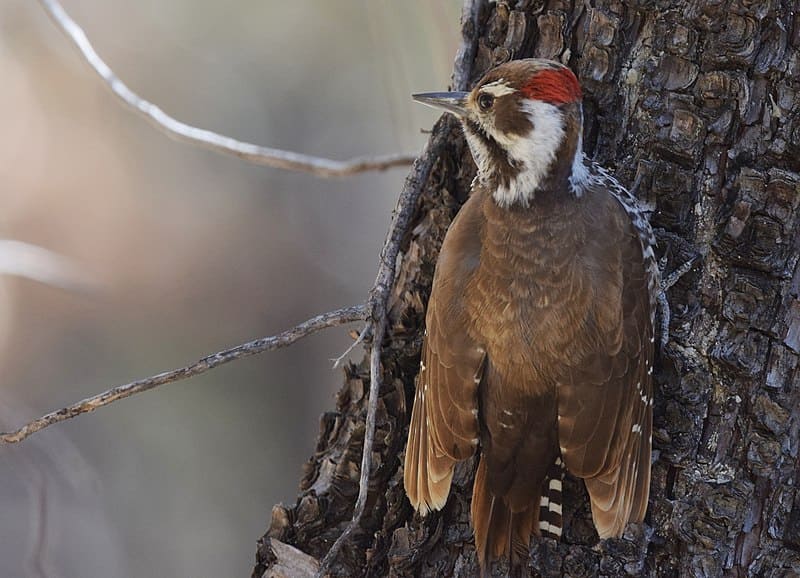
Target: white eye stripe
(497, 88)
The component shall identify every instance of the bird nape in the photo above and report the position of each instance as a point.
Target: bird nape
(539, 348)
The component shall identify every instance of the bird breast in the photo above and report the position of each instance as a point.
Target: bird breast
(528, 299)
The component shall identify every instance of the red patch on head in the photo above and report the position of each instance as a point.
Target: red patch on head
(553, 85)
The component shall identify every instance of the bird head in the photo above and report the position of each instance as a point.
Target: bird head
(523, 124)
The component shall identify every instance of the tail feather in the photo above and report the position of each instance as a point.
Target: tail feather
(499, 531)
(522, 527)
(550, 515)
(482, 512)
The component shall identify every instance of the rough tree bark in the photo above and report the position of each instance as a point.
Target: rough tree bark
(698, 102)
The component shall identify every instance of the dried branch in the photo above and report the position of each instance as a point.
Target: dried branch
(313, 325)
(359, 340)
(180, 131)
(42, 265)
(377, 305)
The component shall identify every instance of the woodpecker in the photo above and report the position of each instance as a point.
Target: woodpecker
(538, 352)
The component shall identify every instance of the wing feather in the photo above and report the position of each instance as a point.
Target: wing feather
(444, 422)
(604, 398)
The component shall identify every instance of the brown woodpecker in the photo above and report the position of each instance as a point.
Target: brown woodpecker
(539, 344)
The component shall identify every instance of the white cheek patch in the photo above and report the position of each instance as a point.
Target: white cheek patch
(497, 88)
(534, 152)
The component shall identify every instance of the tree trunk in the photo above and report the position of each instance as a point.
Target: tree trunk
(699, 103)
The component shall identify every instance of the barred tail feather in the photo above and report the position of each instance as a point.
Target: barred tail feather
(550, 514)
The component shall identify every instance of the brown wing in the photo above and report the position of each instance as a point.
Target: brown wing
(604, 397)
(444, 422)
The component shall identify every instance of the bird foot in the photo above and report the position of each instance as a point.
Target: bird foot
(668, 280)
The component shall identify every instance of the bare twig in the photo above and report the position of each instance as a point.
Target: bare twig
(178, 130)
(42, 265)
(313, 325)
(379, 296)
(359, 340)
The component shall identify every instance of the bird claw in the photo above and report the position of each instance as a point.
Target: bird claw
(667, 281)
(670, 280)
(663, 330)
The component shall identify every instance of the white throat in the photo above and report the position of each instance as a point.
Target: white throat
(533, 154)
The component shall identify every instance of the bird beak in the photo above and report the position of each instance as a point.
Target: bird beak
(452, 102)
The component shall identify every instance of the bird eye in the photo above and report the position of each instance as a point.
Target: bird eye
(485, 101)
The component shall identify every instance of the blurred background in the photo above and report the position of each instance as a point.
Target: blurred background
(190, 252)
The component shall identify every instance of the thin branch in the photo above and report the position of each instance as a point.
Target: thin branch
(313, 325)
(42, 265)
(180, 131)
(361, 336)
(379, 296)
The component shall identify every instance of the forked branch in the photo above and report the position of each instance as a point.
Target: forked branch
(313, 325)
(281, 159)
